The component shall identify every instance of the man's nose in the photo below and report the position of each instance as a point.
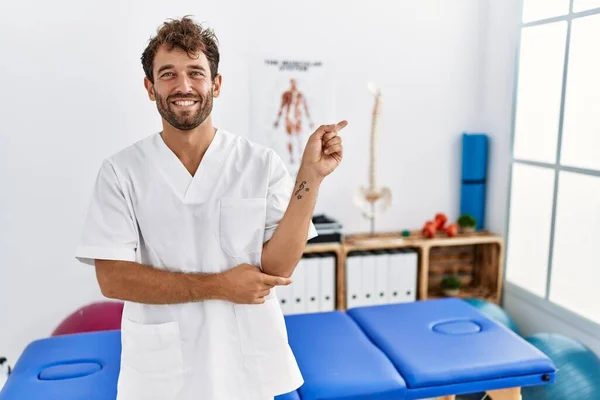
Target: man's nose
(184, 85)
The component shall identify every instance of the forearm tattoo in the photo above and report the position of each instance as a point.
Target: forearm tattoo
(301, 188)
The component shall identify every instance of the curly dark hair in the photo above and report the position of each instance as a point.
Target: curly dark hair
(186, 35)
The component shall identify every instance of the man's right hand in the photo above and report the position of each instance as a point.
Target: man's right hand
(247, 284)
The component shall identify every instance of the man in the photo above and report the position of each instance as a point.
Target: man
(293, 101)
(193, 227)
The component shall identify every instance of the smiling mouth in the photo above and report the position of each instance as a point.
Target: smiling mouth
(184, 103)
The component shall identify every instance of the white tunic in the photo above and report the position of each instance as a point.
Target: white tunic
(147, 208)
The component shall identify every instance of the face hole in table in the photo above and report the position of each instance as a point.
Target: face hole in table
(69, 370)
(459, 327)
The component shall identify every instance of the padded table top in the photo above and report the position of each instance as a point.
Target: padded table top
(448, 342)
(387, 352)
(338, 361)
(47, 367)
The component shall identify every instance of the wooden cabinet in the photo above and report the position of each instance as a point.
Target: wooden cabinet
(476, 259)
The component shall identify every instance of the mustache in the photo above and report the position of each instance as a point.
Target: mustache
(184, 97)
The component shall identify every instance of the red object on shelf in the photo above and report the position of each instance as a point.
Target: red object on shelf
(452, 230)
(100, 316)
(440, 220)
(429, 229)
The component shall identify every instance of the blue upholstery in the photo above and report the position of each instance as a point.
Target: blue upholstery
(448, 347)
(338, 361)
(48, 367)
(288, 396)
(69, 367)
(389, 352)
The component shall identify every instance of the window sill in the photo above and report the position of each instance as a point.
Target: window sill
(569, 317)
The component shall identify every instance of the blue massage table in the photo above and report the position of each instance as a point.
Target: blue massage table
(425, 349)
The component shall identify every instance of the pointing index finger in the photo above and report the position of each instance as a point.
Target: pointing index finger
(341, 125)
(323, 129)
(336, 127)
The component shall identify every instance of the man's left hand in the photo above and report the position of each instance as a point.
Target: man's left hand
(324, 151)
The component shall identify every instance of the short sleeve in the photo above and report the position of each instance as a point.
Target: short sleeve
(109, 230)
(279, 193)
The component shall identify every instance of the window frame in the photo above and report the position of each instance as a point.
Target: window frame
(569, 316)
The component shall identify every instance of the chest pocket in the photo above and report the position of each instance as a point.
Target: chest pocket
(242, 225)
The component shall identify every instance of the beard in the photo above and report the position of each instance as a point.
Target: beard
(185, 120)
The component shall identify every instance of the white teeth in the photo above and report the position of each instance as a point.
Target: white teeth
(185, 103)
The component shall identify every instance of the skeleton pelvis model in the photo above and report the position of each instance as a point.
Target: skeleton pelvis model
(373, 200)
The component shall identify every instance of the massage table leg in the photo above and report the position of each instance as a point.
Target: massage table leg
(505, 394)
(501, 394)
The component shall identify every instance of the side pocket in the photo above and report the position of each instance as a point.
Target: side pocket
(242, 225)
(151, 361)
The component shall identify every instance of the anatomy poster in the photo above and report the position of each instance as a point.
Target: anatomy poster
(289, 99)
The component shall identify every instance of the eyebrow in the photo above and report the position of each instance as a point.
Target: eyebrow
(170, 66)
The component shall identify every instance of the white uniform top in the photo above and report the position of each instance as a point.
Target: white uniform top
(147, 208)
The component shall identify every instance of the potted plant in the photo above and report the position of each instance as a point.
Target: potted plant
(451, 285)
(467, 223)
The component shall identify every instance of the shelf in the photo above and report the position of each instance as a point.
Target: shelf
(461, 239)
(395, 239)
(476, 261)
(323, 248)
(476, 258)
(374, 242)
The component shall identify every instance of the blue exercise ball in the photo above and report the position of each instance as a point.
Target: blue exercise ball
(495, 312)
(578, 375)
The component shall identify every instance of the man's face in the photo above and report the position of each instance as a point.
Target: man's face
(182, 88)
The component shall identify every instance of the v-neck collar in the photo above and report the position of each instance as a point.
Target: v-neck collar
(187, 187)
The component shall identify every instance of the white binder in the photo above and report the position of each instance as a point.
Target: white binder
(409, 277)
(381, 294)
(395, 266)
(403, 275)
(313, 279)
(327, 287)
(353, 279)
(369, 266)
(298, 288)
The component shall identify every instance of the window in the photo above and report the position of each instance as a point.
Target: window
(529, 228)
(534, 10)
(554, 207)
(539, 93)
(585, 5)
(581, 130)
(575, 272)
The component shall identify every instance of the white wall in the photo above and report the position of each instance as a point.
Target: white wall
(501, 33)
(424, 55)
(72, 95)
(501, 28)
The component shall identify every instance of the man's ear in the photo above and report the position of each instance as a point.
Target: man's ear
(150, 88)
(217, 82)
